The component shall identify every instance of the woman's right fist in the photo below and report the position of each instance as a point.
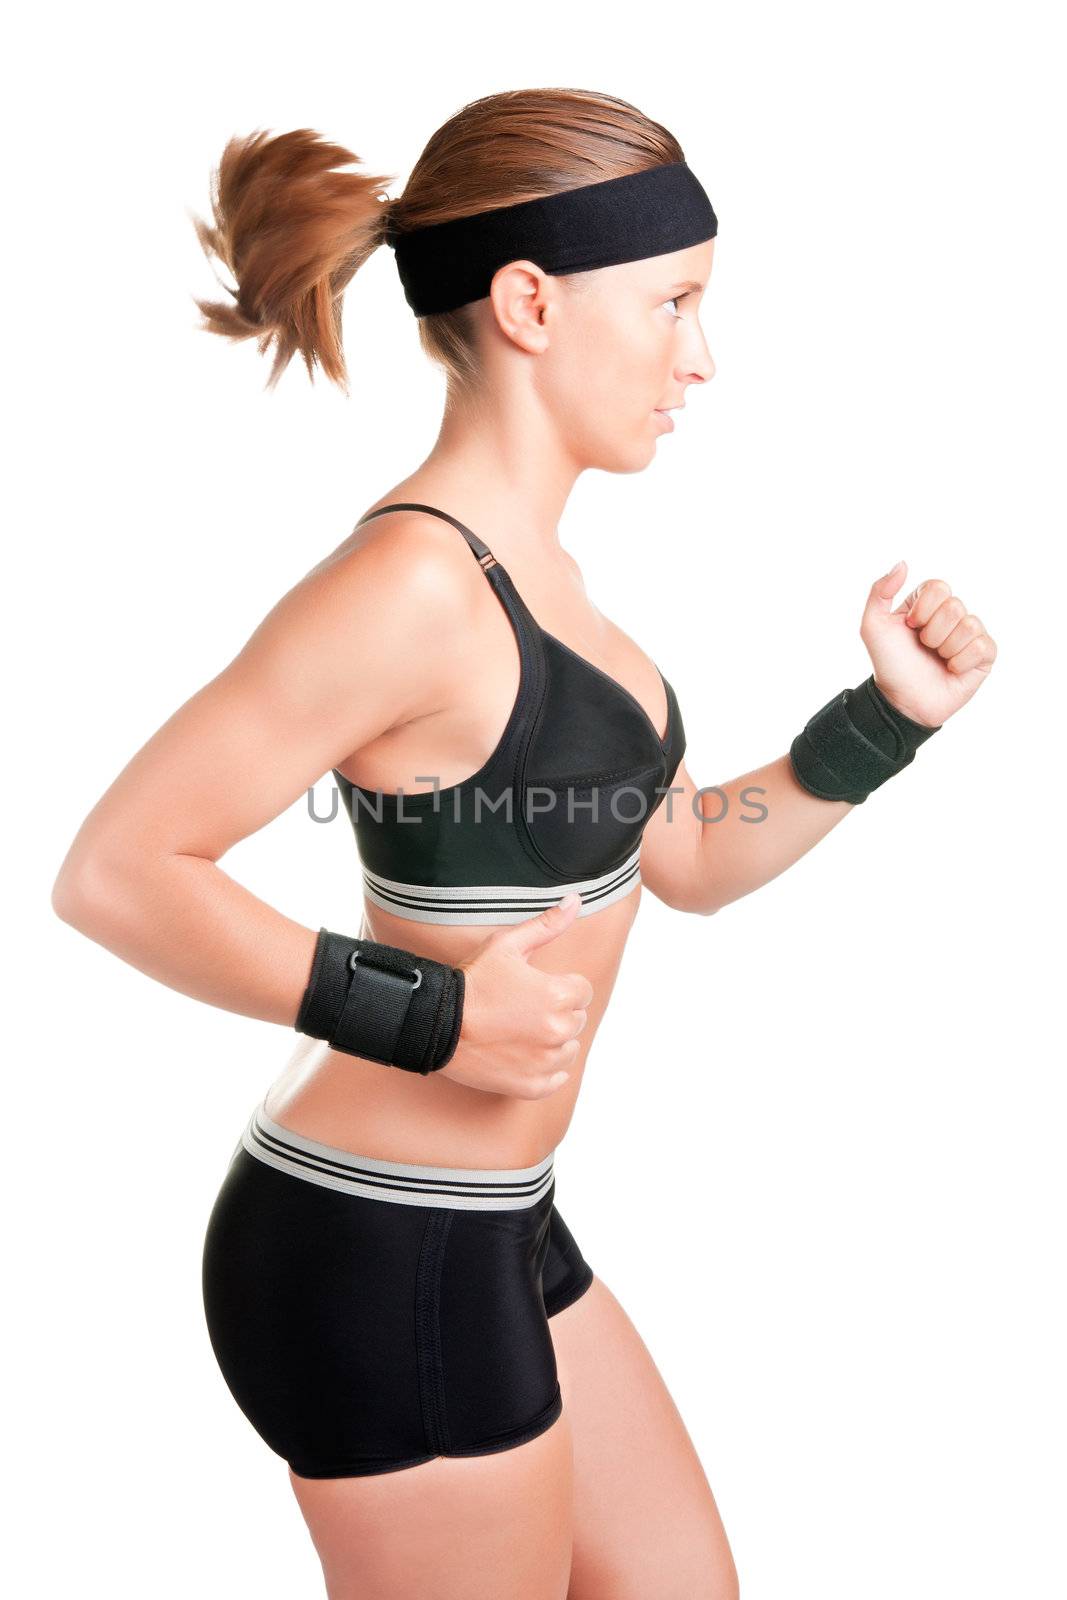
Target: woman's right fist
(520, 1027)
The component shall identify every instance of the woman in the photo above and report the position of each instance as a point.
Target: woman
(394, 1300)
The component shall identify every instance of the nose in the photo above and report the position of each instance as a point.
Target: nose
(702, 368)
(702, 374)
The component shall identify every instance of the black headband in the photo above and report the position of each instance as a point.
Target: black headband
(648, 213)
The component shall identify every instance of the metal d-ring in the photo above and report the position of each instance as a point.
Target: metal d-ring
(416, 972)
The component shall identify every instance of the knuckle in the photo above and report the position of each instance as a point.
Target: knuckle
(556, 1028)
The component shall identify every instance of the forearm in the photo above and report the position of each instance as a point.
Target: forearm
(846, 750)
(756, 826)
(183, 920)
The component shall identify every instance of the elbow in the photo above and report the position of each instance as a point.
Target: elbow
(685, 895)
(66, 902)
(702, 908)
(700, 901)
(686, 902)
(84, 894)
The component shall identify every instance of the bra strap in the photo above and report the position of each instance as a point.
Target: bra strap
(480, 548)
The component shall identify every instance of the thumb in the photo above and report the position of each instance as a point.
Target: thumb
(882, 591)
(547, 925)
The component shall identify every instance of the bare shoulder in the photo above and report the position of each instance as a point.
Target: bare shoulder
(392, 583)
(351, 650)
(353, 630)
(408, 554)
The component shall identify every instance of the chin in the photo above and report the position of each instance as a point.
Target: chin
(613, 458)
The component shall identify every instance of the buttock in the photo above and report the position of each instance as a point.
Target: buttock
(369, 1315)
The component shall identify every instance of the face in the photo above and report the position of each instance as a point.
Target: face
(622, 345)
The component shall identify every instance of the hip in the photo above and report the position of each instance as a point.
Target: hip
(368, 1315)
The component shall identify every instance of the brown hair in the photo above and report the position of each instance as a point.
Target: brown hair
(292, 231)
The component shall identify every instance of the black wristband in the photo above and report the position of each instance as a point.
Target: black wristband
(879, 720)
(854, 743)
(382, 1003)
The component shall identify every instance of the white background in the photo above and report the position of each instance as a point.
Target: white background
(819, 1150)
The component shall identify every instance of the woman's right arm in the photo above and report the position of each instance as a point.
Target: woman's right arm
(319, 678)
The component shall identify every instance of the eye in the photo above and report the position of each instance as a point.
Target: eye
(674, 301)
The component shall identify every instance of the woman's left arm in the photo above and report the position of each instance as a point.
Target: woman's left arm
(704, 848)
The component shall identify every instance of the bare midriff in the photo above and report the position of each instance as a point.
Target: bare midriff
(393, 1115)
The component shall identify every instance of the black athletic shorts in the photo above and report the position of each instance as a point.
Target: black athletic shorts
(369, 1315)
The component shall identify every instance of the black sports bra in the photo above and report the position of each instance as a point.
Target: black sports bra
(560, 804)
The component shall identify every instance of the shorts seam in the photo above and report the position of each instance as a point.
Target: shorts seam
(504, 1441)
(561, 1302)
(362, 1469)
(428, 1329)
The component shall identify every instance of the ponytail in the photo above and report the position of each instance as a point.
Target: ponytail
(291, 232)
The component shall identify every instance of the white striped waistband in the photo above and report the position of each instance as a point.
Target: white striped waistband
(463, 1188)
(479, 904)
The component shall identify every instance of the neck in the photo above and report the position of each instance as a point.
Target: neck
(502, 470)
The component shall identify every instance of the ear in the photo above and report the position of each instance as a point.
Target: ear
(521, 296)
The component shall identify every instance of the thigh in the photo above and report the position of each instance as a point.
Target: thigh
(494, 1527)
(645, 1518)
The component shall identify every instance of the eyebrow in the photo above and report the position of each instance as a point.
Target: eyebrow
(688, 285)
